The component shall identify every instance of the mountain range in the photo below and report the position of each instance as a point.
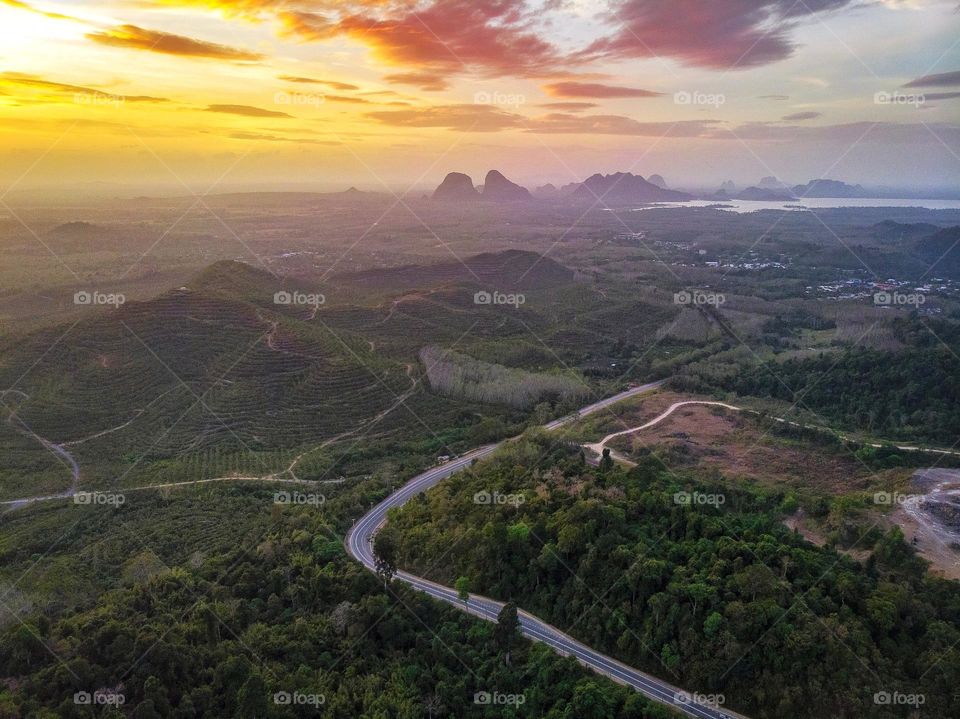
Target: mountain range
(621, 188)
(625, 188)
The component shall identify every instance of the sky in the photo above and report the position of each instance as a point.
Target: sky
(206, 96)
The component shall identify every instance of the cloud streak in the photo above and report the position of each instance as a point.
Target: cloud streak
(943, 79)
(138, 38)
(246, 111)
(595, 90)
(809, 115)
(16, 79)
(342, 86)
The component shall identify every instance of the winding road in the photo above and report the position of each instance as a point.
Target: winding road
(359, 544)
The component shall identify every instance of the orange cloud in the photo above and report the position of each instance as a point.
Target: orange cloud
(561, 124)
(569, 106)
(131, 36)
(429, 81)
(247, 111)
(596, 90)
(347, 99)
(263, 137)
(29, 8)
(488, 118)
(490, 36)
(10, 79)
(313, 81)
(464, 118)
(306, 26)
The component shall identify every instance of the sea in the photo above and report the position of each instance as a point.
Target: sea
(809, 203)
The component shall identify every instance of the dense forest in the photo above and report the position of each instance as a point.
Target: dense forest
(910, 394)
(235, 627)
(717, 597)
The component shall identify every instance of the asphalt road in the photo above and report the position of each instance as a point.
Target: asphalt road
(359, 543)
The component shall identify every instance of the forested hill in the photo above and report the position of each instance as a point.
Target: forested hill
(236, 600)
(910, 394)
(716, 597)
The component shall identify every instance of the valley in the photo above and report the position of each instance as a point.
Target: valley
(319, 396)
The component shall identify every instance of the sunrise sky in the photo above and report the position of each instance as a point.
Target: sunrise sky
(220, 94)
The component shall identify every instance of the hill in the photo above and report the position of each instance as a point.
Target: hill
(941, 251)
(507, 270)
(624, 188)
(209, 379)
(829, 188)
(456, 186)
(216, 377)
(498, 188)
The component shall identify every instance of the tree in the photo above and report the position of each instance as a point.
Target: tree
(507, 629)
(590, 701)
(252, 699)
(146, 710)
(712, 624)
(462, 586)
(385, 554)
(153, 691)
(606, 462)
(433, 705)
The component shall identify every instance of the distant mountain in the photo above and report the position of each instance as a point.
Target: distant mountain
(829, 188)
(508, 270)
(80, 236)
(456, 186)
(658, 181)
(546, 192)
(728, 187)
(498, 188)
(771, 183)
(941, 251)
(625, 188)
(890, 231)
(77, 228)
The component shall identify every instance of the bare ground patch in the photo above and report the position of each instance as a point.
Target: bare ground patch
(739, 447)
